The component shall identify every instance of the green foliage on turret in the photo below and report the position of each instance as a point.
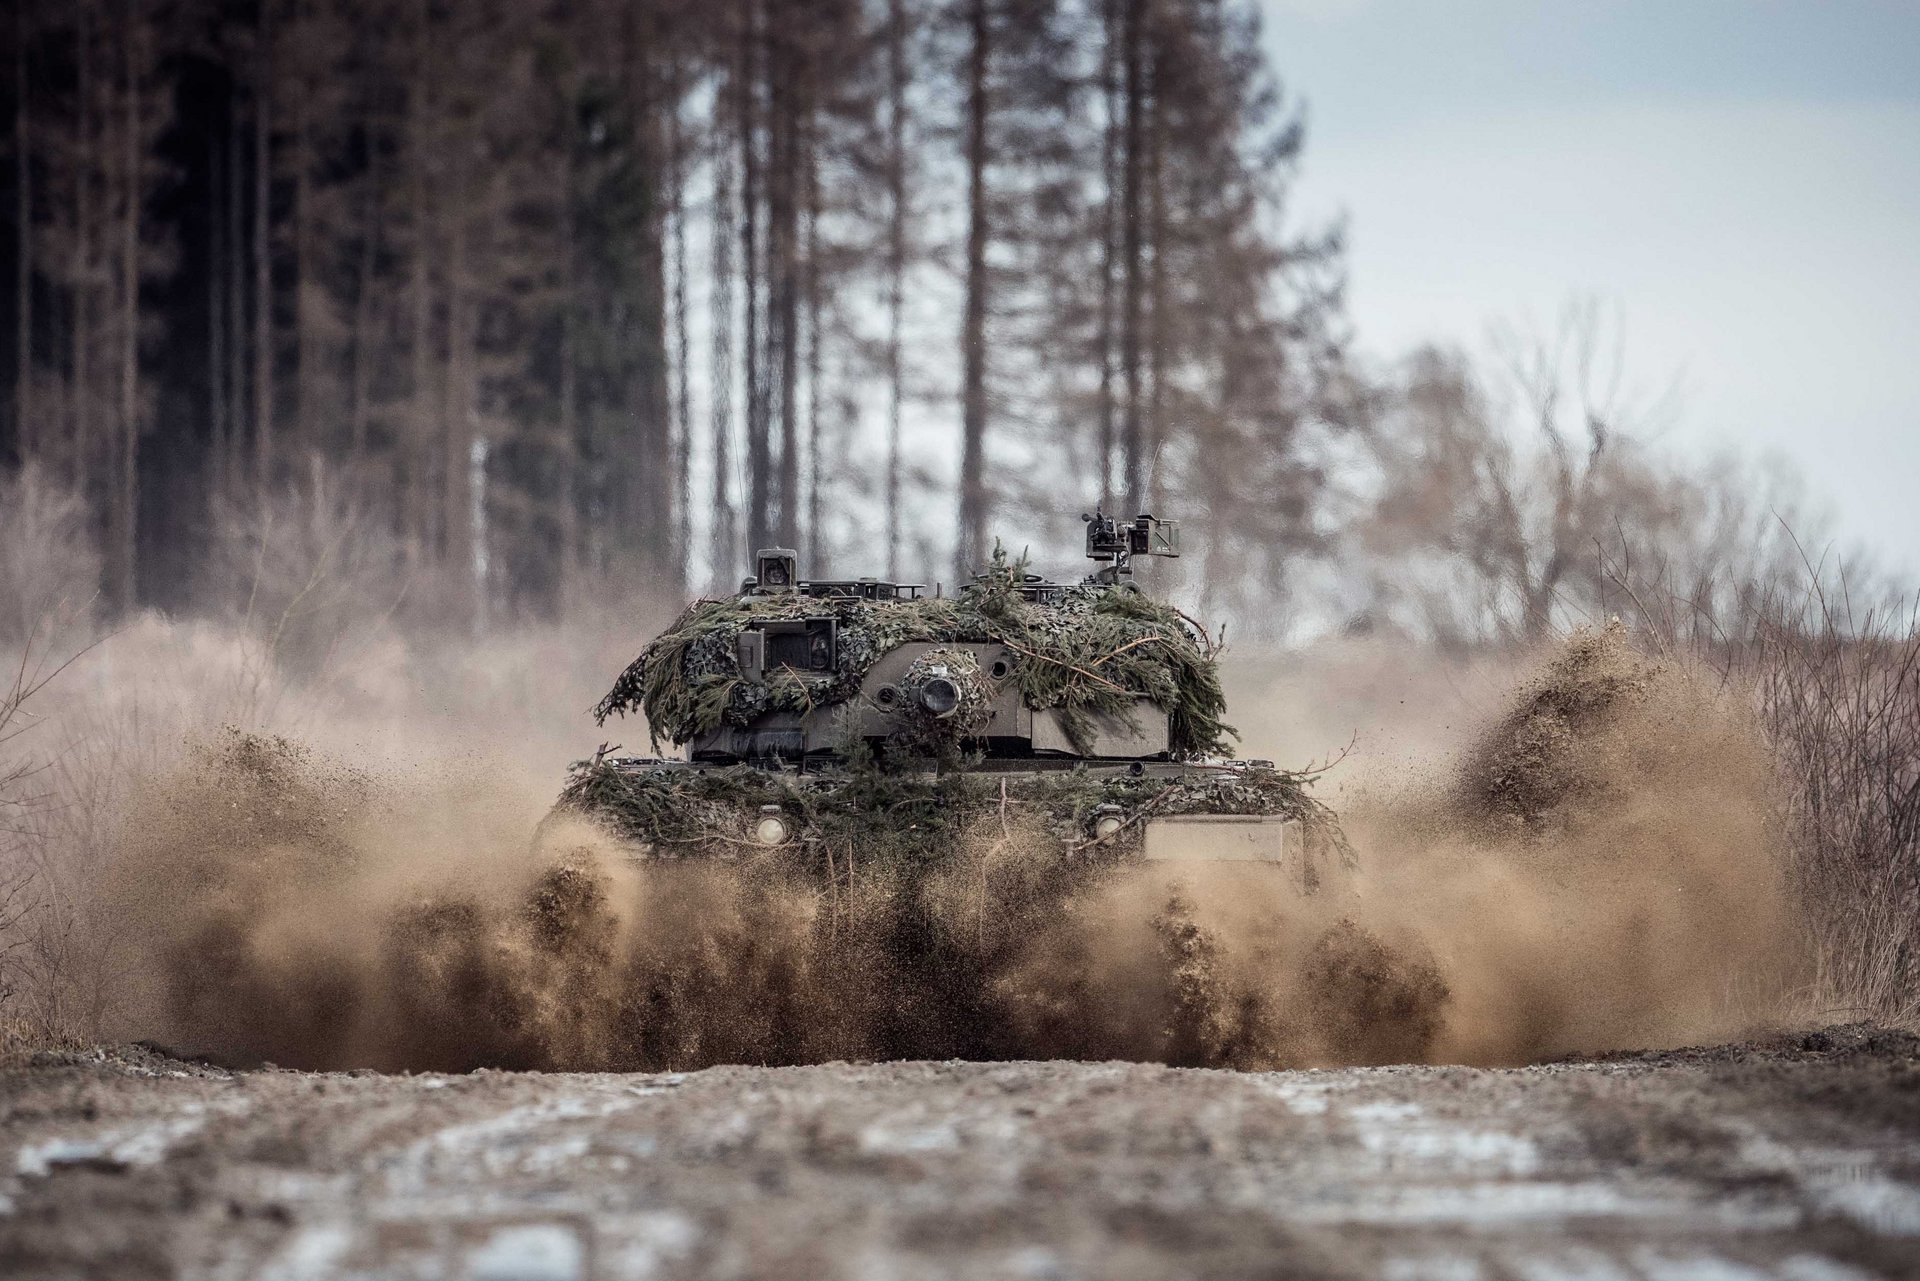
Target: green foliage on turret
(1095, 651)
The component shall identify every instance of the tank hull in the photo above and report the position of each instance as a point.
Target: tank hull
(1086, 814)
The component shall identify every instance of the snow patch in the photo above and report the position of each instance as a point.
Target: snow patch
(529, 1252)
(881, 1140)
(643, 1244)
(1876, 1203)
(315, 1252)
(1466, 1151)
(122, 1147)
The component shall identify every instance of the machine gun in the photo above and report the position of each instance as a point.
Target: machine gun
(1111, 541)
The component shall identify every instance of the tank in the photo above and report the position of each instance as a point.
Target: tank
(808, 721)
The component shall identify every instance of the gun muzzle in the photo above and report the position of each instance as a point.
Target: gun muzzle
(939, 696)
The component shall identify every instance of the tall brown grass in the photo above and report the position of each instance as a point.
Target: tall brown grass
(1841, 700)
(310, 626)
(1831, 662)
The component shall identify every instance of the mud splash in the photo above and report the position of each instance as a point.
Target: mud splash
(1599, 872)
(1606, 867)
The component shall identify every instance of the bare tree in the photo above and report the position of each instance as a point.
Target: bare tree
(263, 425)
(1134, 108)
(974, 506)
(723, 549)
(23, 240)
(896, 265)
(123, 470)
(1528, 498)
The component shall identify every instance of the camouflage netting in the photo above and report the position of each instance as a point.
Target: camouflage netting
(916, 819)
(1094, 652)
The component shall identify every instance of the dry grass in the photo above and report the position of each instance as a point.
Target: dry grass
(305, 638)
(1841, 699)
(1833, 670)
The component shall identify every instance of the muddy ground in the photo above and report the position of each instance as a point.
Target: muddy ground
(1797, 1158)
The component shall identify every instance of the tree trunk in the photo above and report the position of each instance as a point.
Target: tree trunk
(784, 128)
(263, 256)
(120, 519)
(651, 483)
(816, 543)
(456, 458)
(422, 419)
(568, 489)
(759, 460)
(1109, 224)
(896, 262)
(217, 181)
(638, 490)
(1131, 451)
(233, 462)
(305, 338)
(82, 404)
(973, 334)
(23, 432)
(361, 392)
(1157, 328)
(724, 534)
(682, 434)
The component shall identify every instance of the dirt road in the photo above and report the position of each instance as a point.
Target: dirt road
(1799, 1160)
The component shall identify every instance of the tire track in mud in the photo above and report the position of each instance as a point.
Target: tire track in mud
(1762, 1162)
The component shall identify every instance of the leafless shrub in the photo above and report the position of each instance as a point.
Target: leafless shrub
(1842, 697)
(1834, 674)
(307, 570)
(48, 562)
(16, 884)
(27, 909)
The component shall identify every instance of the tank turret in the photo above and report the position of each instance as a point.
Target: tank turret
(793, 671)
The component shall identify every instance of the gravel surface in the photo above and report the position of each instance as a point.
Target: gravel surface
(1797, 1159)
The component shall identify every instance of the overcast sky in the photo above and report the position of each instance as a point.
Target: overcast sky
(1740, 179)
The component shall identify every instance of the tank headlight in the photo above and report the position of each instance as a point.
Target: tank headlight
(1106, 825)
(772, 829)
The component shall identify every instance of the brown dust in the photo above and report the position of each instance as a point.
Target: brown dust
(1600, 869)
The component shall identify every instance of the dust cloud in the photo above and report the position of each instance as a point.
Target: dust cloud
(1598, 867)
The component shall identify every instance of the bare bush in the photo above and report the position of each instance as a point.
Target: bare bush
(509, 705)
(307, 569)
(48, 561)
(16, 887)
(27, 794)
(1842, 698)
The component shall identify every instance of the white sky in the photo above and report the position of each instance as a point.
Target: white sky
(1739, 178)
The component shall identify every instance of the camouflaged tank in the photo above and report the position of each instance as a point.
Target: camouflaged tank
(873, 718)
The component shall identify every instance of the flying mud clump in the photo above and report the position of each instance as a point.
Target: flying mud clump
(1601, 872)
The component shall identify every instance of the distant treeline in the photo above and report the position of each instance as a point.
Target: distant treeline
(564, 289)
